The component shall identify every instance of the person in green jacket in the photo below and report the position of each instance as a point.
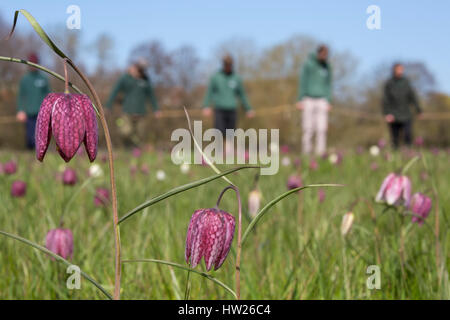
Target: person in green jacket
(398, 98)
(136, 88)
(33, 88)
(314, 99)
(224, 90)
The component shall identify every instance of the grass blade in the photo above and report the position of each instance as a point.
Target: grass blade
(208, 161)
(176, 265)
(36, 26)
(274, 201)
(57, 257)
(179, 190)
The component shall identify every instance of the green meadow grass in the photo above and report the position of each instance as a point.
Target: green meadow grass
(282, 258)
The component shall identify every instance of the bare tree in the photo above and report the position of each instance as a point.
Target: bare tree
(158, 59)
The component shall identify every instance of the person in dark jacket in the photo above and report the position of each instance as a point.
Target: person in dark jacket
(136, 88)
(33, 88)
(398, 98)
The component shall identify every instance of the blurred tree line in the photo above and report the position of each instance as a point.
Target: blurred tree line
(180, 77)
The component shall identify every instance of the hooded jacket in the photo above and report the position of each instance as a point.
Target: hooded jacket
(315, 79)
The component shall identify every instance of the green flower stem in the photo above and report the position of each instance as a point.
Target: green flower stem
(239, 244)
(179, 266)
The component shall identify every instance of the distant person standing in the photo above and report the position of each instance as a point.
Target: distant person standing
(33, 88)
(136, 88)
(398, 97)
(314, 100)
(224, 90)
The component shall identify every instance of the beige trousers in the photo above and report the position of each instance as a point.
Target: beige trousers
(315, 122)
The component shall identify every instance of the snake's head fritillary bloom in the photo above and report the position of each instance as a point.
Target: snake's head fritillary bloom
(382, 143)
(18, 188)
(419, 141)
(420, 207)
(60, 242)
(184, 168)
(347, 222)
(71, 119)
(395, 189)
(69, 177)
(254, 202)
(145, 169)
(294, 182)
(374, 151)
(286, 161)
(137, 152)
(10, 167)
(321, 195)
(95, 171)
(374, 166)
(101, 197)
(313, 165)
(284, 149)
(210, 234)
(160, 175)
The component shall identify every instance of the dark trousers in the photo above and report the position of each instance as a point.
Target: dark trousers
(224, 119)
(30, 126)
(398, 128)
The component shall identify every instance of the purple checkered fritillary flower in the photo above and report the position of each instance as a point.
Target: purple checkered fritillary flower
(60, 242)
(210, 234)
(395, 189)
(421, 207)
(71, 119)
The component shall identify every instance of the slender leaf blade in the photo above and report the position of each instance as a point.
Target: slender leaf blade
(57, 257)
(275, 201)
(179, 190)
(176, 265)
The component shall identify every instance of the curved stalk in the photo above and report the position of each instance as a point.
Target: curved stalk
(239, 244)
(118, 262)
(101, 113)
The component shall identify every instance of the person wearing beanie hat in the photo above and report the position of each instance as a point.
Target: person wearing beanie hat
(33, 88)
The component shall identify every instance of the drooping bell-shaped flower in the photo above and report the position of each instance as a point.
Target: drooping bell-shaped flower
(254, 202)
(101, 197)
(294, 182)
(395, 189)
(347, 222)
(95, 171)
(420, 207)
(210, 234)
(60, 242)
(313, 165)
(321, 195)
(69, 177)
(10, 167)
(71, 119)
(18, 188)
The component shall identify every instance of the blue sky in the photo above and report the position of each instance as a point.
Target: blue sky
(413, 30)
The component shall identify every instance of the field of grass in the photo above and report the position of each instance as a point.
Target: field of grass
(286, 256)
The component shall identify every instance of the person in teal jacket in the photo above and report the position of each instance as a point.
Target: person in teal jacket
(136, 90)
(314, 99)
(225, 91)
(33, 88)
